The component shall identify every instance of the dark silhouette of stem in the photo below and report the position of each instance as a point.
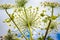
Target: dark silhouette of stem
(48, 26)
(15, 24)
(47, 30)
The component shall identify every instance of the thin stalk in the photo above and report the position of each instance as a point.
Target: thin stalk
(52, 12)
(47, 29)
(23, 20)
(35, 14)
(28, 24)
(25, 13)
(15, 24)
(35, 19)
(30, 31)
(48, 25)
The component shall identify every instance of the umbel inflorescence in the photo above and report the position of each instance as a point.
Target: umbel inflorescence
(28, 17)
(50, 4)
(6, 6)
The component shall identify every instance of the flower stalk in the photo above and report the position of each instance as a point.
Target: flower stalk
(47, 29)
(48, 25)
(15, 24)
(28, 25)
(52, 12)
(30, 31)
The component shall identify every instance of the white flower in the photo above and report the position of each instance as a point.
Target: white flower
(26, 17)
(6, 6)
(51, 4)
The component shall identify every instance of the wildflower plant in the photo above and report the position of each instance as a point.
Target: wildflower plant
(29, 18)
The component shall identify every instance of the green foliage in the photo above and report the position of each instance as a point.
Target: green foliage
(10, 36)
(49, 38)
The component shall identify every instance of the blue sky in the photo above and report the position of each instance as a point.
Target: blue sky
(34, 3)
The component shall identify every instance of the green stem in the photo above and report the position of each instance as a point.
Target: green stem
(15, 24)
(30, 31)
(52, 12)
(47, 30)
(28, 25)
(25, 13)
(48, 25)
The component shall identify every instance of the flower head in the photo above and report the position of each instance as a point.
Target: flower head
(51, 4)
(28, 17)
(6, 6)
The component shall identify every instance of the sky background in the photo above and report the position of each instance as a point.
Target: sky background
(34, 3)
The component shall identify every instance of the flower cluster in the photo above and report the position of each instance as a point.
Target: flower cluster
(51, 4)
(6, 6)
(29, 16)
